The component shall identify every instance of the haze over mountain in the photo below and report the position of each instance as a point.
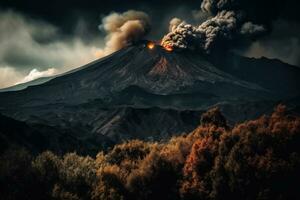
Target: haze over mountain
(153, 93)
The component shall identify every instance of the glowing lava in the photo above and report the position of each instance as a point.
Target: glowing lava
(151, 45)
(168, 48)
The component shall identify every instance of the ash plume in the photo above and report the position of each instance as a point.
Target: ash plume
(123, 29)
(227, 23)
(214, 6)
(174, 23)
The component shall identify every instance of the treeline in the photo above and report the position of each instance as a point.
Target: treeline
(258, 159)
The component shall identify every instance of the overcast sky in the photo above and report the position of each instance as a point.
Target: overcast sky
(42, 39)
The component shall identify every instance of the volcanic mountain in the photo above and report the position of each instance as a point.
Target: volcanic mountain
(151, 93)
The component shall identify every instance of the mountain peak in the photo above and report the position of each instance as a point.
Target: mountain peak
(153, 71)
(123, 94)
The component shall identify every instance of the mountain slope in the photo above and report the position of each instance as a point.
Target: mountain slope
(272, 74)
(156, 71)
(41, 137)
(152, 94)
(23, 86)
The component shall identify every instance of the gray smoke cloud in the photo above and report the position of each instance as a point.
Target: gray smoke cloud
(225, 24)
(123, 29)
(214, 6)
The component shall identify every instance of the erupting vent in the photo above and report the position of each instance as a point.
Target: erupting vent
(168, 48)
(151, 45)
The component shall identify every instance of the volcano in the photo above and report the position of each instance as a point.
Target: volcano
(153, 93)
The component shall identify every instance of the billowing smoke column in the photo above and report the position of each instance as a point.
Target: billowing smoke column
(228, 22)
(123, 29)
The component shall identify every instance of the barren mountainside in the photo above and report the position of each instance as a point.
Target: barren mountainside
(152, 94)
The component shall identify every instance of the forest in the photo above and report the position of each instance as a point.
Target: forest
(256, 159)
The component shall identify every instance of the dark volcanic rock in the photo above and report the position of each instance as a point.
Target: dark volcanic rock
(152, 94)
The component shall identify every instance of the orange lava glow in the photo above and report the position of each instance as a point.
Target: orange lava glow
(168, 48)
(150, 45)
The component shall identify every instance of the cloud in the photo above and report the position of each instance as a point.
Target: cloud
(27, 44)
(254, 28)
(225, 24)
(9, 76)
(282, 43)
(174, 23)
(213, 6)
(249, 28)
(123, 29)
(287, 50)
(30, 48)
(35, 74)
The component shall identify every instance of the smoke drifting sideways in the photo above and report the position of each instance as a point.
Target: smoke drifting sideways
(227, 23)
(123, 29)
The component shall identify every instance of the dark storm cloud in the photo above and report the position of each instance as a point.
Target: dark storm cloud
(64, 13)
(26, 52)
(280, 44)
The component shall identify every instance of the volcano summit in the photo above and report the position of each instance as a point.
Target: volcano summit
(149, 92)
